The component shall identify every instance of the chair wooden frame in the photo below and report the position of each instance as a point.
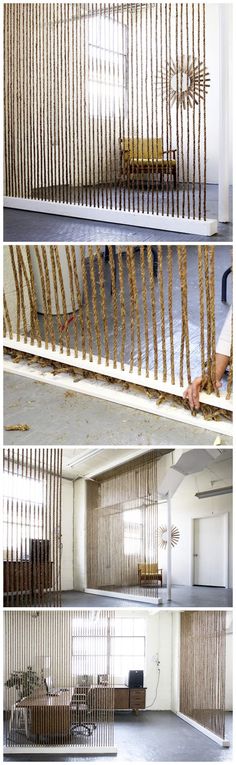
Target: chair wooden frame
(149, 572)
(146, 157)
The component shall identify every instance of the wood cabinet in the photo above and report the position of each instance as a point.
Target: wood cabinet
(129, 698)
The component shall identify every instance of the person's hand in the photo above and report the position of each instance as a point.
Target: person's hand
(193, 390)
(192, 393)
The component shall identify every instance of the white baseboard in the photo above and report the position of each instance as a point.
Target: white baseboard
(145, 220)
(104, 391)
(125, 596)
(221, 741)
(108, 370)
(66, 750)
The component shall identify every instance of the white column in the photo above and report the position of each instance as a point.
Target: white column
(80, 534)
(168, 546)
(224, 112)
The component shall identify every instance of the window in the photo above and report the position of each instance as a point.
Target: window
(133, 531)
(89, 646)
(107, 48)
(22, 512)
(108, 646)
(128, 646)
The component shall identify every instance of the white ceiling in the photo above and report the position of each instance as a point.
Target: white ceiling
(91, 461)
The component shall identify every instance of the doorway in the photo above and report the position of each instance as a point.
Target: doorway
(210, 551)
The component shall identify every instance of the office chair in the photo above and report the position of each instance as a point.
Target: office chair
(82, 724)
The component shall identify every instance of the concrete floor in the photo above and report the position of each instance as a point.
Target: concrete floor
(189, 597)
(150, 737)
(24, 226)
(84, 420)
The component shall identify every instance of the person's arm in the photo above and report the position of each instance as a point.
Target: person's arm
(192, 392)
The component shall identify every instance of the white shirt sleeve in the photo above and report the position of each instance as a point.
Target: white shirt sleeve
(223, 345)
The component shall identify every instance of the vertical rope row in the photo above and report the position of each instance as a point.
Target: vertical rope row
(170, 312)
(63, 137)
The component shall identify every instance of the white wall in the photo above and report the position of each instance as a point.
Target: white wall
(185, 507)
(67, 535)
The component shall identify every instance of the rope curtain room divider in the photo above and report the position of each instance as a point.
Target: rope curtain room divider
(115, 119)
(114, 318)
(122, 530)
(54, 700)
(32, 526)
(202, 669)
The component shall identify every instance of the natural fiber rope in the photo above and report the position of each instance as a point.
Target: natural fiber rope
(208, 316)
(162, 311)
(114, 303)
(103, 303)
(230, 376)
(79, 300)
(18, 300)
(34, 323)
(7, 320)
(122, 308)
(212, 310)
(154, 312)
(48, 297)
(87, 306)
(145, 311)
(201, 299)
(55, 286)
(73, 300)
(63, 296)
(185, 309)
(132, 313)
(136, 307)
(94, 302)
(204, 110)
(43, 288)
(170, 311)
(199, 121)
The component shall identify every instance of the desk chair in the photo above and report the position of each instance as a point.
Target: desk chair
(19, 716)
(81, 714)
(154, 255)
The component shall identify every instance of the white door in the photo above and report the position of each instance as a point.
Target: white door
(210, 551)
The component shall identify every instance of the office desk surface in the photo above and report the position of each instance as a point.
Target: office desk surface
(43, 700)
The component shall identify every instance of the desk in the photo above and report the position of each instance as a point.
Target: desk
(102, 698)
(25, 576)
(50, 715)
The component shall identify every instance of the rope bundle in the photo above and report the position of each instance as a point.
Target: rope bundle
(120, 311)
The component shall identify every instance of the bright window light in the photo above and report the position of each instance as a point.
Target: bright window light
(107, 48)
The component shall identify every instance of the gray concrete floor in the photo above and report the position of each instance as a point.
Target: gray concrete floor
(150, 737)
(24, 226)
(55, 418)
(190, 597)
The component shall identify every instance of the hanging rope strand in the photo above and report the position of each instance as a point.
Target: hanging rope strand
(122, 308)
(145, 311)
(170, 311)
(201, 302)
(162, 311)
(154, 312)
(114, 303)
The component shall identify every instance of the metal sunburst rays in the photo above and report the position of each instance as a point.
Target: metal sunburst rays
(162, 533)
(185, 80)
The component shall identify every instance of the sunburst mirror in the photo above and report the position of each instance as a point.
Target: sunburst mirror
(162, 533)
(184, 77)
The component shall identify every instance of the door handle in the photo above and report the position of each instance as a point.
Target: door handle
(195, 555)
